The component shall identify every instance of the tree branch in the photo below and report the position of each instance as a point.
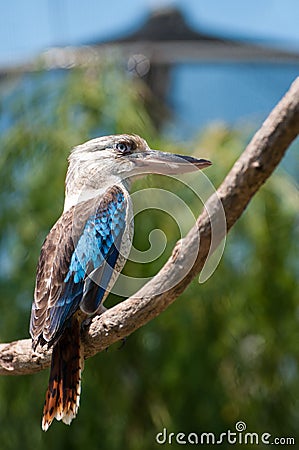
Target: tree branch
(250, 171)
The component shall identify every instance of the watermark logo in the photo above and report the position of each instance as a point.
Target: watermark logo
(240, 426)
(238, 436)
(172, 203)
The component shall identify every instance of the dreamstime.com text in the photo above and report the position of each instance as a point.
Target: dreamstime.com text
(238, 436)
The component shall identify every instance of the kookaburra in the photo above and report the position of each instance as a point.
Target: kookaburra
(85, 251)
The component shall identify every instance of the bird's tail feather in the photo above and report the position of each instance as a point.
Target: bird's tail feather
(63, 393)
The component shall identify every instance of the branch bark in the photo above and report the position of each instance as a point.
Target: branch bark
(250, 171)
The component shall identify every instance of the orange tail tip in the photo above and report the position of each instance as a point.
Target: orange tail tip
(55, 408)
(63, 393)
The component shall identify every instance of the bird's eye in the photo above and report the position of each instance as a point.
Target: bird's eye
(123, 148)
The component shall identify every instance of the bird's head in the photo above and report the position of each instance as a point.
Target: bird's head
(106, 160)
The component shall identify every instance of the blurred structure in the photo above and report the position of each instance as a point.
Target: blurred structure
(163, 41)
(166, 39)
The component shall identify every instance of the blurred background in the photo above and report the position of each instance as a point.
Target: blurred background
(190, 76)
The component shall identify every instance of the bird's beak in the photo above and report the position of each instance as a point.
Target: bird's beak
(154, 161)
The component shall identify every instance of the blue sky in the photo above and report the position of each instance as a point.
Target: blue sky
(28, 27)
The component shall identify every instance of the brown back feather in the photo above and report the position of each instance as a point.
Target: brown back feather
(53, 265)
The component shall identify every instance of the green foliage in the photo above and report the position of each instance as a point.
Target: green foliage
(227, 350)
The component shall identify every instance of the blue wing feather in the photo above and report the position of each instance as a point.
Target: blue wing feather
(100, 232)
(97, 247)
